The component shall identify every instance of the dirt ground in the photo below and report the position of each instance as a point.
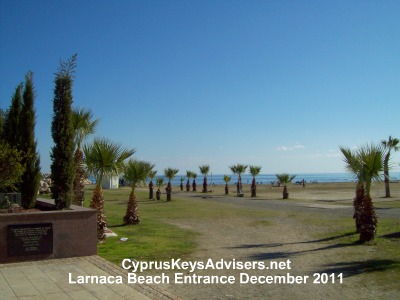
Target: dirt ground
(281, 238)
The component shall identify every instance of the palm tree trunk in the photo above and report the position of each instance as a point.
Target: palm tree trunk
(132, 217)
(205, 185)
(169, 191)
(368, 221)
(253, 188)
(285, 192)
(151, 196)
(226, 189)
(194, 186)
(79, 187)
(181, 186)
(98, 204)
(188, 186)
(386, 174)
(358, 205)
(158, 194)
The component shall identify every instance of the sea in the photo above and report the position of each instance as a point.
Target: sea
(218, 179)
(271, 178)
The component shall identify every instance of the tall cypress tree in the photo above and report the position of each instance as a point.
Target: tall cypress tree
(27, 144)
(62, 131)
(11, 128)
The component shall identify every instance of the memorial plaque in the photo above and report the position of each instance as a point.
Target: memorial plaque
(30, 239)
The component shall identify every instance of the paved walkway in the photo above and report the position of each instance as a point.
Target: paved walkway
(48, 279)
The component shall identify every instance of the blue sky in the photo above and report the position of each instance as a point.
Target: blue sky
(279, 84)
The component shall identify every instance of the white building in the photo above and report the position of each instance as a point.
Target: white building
(110, 182)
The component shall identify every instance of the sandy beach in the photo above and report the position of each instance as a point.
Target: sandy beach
(334, 193)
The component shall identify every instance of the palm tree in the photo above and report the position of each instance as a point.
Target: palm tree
(136, 173)
(204, 169)
(354, 166)
(194, 185)
(366, 164)
(103, 157)
(389, 145)
(160, 183)
(238, 169)
(151, 175)
(181, 185)
(371, 157)
(84, 125)
(254, 170)
(285, 179)
(227, 179)
(189, 174)
(170, 173)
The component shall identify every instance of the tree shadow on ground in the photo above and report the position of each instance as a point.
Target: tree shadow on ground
(333, 200)
(119, 225)
(141, 201)
(205, 196)
(247, 246)
(329, 238)
(276, 255)
(147, 200)
(269, 256)
(152, 201)
(358, 267)
(395, 235)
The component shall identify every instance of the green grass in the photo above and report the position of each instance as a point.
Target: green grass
(151, 239)
(378, 261)
(156, 237)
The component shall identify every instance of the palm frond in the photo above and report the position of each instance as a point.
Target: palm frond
(152, 174)
(136, 172)
(391, 144)
(255, 170)
(204, 169)
(170, 173)
(241, 168)
(371, 157)
(227, 179)
(233, 169)
(83, 124)
(238, 168)
(104, 157)
(353, 164)
(366, 163)
(159, 181)
(285, 178)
